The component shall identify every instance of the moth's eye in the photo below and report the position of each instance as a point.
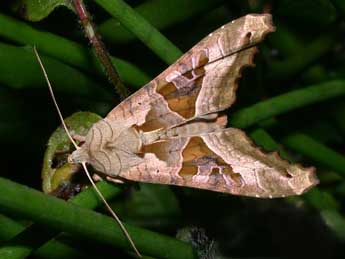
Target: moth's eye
(70, 159)
(78, 156)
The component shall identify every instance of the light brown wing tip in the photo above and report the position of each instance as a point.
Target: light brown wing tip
(266, 23)
(312, 177)
(304, 182)
(300, 183)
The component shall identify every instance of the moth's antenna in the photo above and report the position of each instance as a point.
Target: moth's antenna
(53, 97)
(84, 163)
(124, 230)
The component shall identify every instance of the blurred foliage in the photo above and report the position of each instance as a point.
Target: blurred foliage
(292, 101)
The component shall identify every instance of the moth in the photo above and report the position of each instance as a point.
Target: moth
(171, 130)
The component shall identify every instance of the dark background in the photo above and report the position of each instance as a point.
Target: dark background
(307, 49)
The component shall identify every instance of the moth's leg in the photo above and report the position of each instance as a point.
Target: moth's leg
(79, 138)
(210, 116)
(114, 180)
(97, 177)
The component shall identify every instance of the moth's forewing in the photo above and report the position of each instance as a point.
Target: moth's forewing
(202, 81)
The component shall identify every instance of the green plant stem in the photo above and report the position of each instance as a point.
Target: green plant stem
(99, 48)
(56, 249)
(9, 228)
(262, 138)
(83, 223)
(280, 70)
(315, 150)
(159, 13)
(148, 34)
(66, 50)
(283, 103)
(23, 244)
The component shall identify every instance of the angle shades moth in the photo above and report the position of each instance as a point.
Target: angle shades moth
(171, 130)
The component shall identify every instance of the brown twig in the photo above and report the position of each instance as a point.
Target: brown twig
(99, 48)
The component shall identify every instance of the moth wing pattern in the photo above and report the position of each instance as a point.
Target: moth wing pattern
(202, 81)
(187, 97)
(224, 161)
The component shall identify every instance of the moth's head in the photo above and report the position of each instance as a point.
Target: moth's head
(96, 153)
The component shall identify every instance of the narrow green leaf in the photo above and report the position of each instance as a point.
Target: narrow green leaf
(335, 222)
(20, 70)
(294, 64)
(317, 151)
(66, 50)
(286, 102)
(170, 12)
(26, 241)
(148, 34)
(9, 228)
(263, 139)
(85, 224)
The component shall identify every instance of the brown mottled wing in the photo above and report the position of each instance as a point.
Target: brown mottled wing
(224, 161)
(202, 81)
